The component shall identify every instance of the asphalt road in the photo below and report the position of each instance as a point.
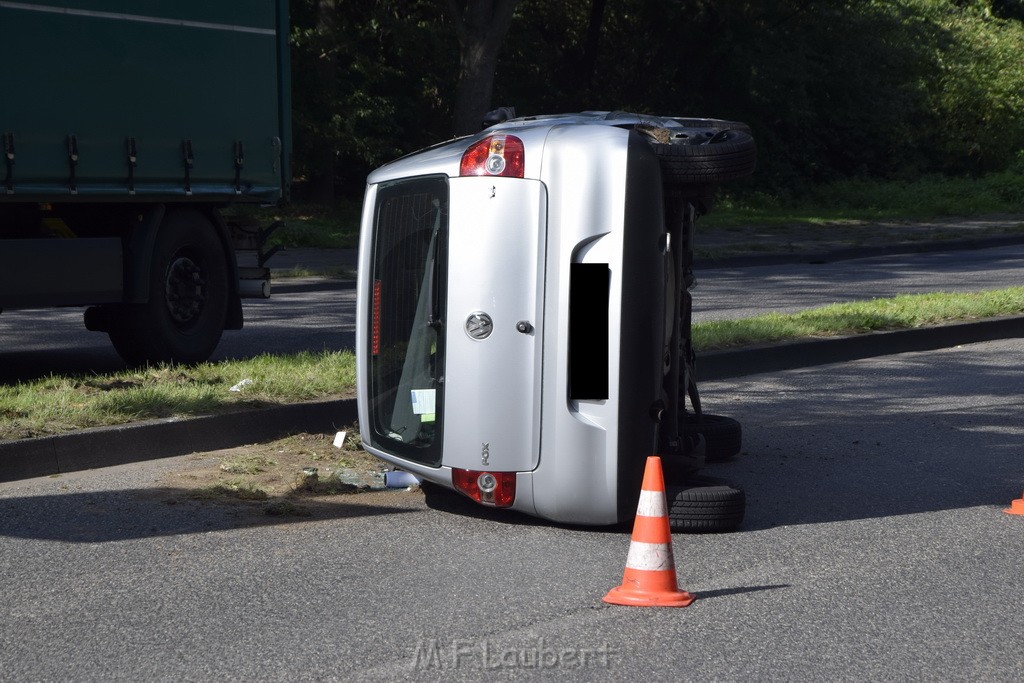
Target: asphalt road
(308, 314)
(314, 314)
(874, 548)
(725, 293)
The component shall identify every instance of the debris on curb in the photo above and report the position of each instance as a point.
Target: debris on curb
(241, 385)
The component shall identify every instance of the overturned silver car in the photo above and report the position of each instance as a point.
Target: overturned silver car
(523, 318)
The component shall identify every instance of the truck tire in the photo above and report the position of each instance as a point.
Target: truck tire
(705, 505)
(723, 436)
(188, 296)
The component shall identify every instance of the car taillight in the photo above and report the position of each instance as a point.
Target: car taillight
(491, 488)
(496, 155)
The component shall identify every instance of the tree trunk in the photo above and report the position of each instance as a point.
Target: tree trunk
(481, 26)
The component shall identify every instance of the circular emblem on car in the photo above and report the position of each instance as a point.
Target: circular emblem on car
(479, 325)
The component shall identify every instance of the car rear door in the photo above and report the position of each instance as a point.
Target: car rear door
(495, 323)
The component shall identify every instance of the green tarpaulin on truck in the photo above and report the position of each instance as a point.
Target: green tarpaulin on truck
(162, 98)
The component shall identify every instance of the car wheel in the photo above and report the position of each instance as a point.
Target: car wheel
(707, 157)
(723, 436)
(718, 124)
(188, 297)
(705, 505)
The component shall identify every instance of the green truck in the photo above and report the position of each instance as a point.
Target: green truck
(126, 129)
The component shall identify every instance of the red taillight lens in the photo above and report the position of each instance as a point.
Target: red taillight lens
(375, 332)
(490, 488)
(496, 155)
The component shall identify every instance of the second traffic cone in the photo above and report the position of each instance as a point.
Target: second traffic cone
(650, 576)
(1016, 507)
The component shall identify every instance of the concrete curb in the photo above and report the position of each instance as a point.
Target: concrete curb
(103, 447)
(106, 446)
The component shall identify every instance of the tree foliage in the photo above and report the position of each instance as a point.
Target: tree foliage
(832, 88)
(370, 81)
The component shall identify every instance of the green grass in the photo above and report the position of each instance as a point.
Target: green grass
(874, 200)
(309, 225)
(242, 490)
(247, 464)
(902, 312)
(59, 404)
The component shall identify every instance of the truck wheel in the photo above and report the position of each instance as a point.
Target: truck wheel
(188, 296)
(723, 436)
(705, 505)
(706, 158)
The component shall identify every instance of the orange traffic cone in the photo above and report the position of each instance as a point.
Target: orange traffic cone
(650, 576)
(1016, 507)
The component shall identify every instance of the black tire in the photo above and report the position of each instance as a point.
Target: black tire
(188, 296)
(713, 157)
(717, 124)
(705, 505)
(723, 436)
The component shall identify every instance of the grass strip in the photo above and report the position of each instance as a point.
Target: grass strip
(59, 404)
(897, 313)
(309, 225)
(860, 200)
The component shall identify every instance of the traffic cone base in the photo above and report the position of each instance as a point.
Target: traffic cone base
(650, 576)
(621, 595)
(1016, 507)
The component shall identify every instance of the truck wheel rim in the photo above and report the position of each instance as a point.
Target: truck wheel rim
(185, 289)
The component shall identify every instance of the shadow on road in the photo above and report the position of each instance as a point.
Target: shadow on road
(723, 592)
(450, 502)
(104, 517)
(929, 432)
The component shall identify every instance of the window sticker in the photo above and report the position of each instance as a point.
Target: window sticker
(423, 402)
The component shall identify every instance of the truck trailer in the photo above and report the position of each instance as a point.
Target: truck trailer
(125, 130)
